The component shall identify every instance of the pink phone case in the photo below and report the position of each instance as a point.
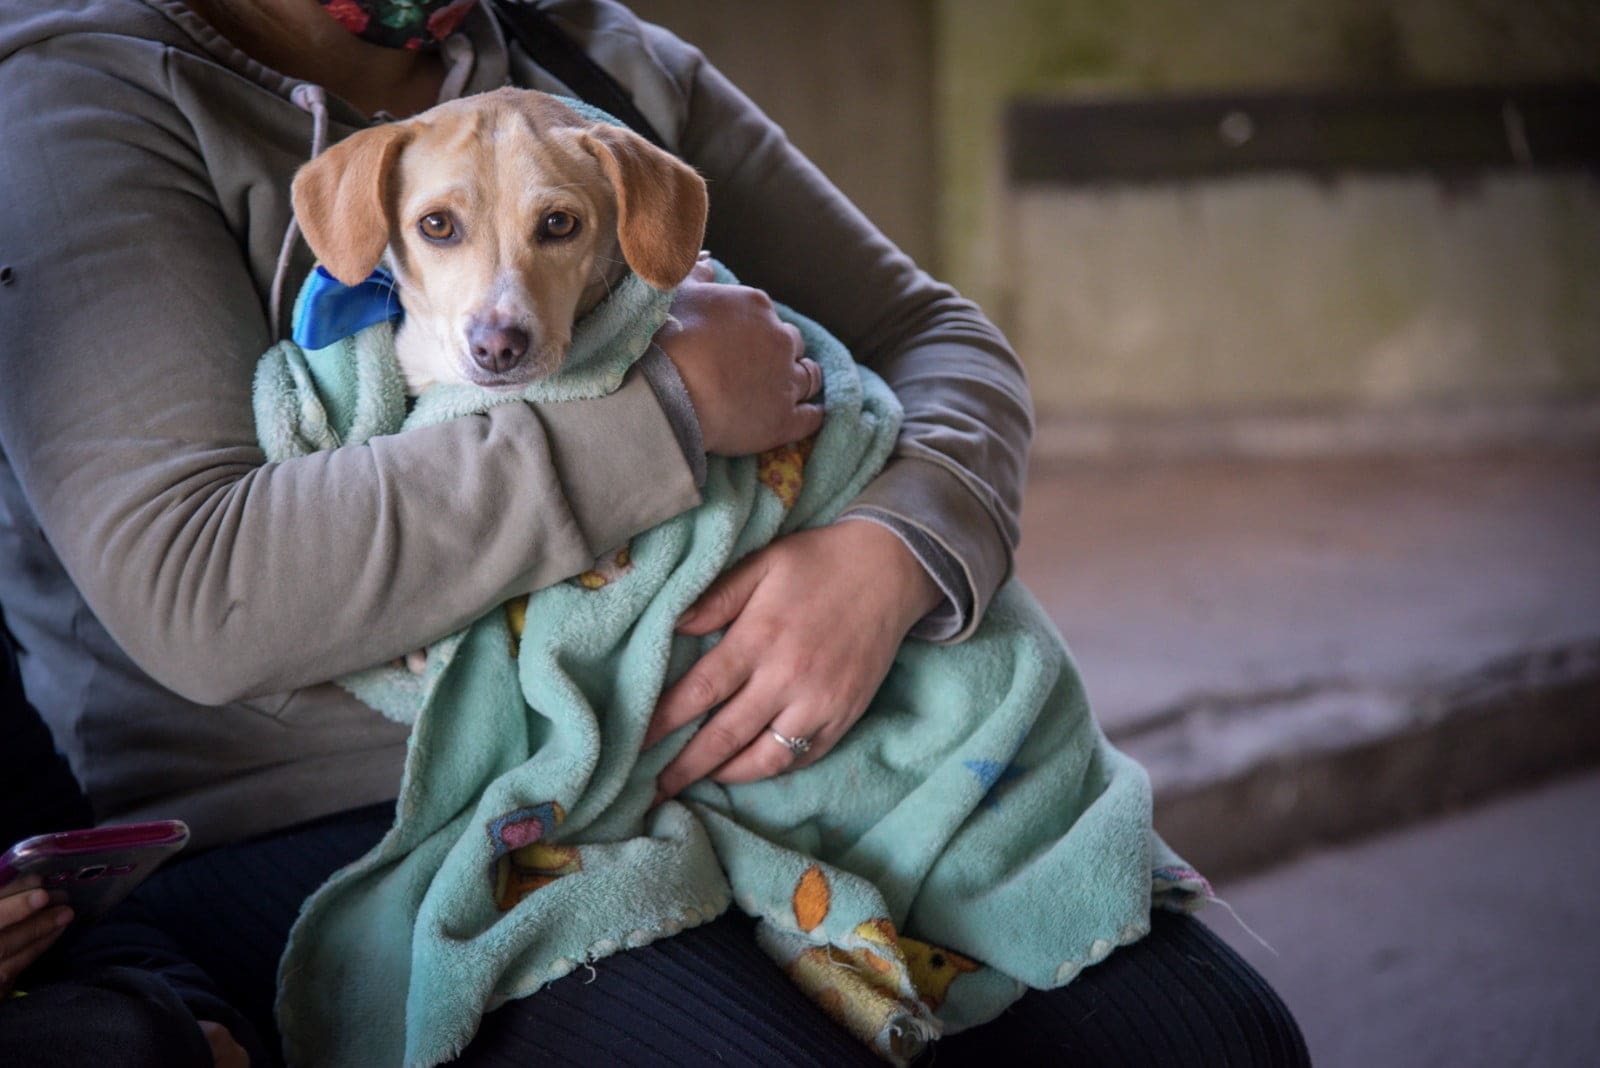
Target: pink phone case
(97, 867)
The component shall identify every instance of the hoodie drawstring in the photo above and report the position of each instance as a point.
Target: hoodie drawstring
(309, 98)
(459, 60)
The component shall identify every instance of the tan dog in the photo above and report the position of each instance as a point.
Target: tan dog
(501, 217)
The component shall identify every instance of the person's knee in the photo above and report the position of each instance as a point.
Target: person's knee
(1178, 998)
(1216, 991)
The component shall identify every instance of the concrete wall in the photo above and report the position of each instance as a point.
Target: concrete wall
(1257, 294)
(851, 83)
(1266, 292)
(1274, 291)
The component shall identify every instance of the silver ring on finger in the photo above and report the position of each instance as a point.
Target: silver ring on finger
(798, 746)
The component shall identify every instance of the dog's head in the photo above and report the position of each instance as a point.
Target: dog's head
(503, 217)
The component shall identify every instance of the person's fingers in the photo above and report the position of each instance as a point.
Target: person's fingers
(807, 420)
(797, 341)
(39, 924)
(22, 899)
(26, 942)
(800, 380)
(26, 952)
(808, 378)
(719, 738)
(713, 679)
(767, 756)
(724, 599)
(703, 271)
(225, 1049)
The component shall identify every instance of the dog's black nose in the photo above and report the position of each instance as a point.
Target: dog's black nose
(497, 349)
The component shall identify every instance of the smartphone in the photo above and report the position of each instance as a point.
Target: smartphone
(96, 867)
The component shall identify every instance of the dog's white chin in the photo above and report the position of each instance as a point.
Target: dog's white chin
(521, 377)
(418, 357)
(416, 385)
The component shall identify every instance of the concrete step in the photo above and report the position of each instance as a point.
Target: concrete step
(1244, 785)
(1306, 650)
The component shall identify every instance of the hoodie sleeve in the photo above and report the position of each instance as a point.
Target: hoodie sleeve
(130, 326)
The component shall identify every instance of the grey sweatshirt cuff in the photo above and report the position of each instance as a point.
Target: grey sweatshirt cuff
(658, 370)
(615, 487)
(928, 496)
(950, 616)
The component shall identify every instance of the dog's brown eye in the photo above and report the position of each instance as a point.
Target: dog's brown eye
(558, 224)
(437, 226)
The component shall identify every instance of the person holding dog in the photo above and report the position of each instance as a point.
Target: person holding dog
(182, 603)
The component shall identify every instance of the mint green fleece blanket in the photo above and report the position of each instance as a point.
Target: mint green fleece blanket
(972, 836)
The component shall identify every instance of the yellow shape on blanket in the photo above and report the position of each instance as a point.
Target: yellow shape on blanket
(856, 992)
(552, 860)
(606, 571)
(783, 470)
(533, 867)
(880, 931)
(858, 989)
(516, 621)
(933, 969)
(812, 898)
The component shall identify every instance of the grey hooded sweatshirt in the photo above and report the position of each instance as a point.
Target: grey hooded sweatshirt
(181, 603)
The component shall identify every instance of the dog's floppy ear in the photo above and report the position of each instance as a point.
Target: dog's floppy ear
(661, 204)
(340, 199)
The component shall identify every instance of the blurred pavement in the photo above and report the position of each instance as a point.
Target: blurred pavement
(1305, 650)
(1312, 651)
(1469, 940)
(1237, 577)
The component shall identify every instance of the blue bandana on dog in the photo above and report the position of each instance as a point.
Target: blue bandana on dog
(329, 311)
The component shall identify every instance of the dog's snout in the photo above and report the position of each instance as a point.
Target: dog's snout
(497, 347)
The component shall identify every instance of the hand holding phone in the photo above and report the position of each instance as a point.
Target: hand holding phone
(31, 919)
(52, 880)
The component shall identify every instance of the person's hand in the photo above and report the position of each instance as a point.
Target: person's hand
(31, 919)
(225, 1049)
(751, 388)
(813, 622)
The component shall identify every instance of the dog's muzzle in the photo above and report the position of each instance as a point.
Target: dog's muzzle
(497, 347)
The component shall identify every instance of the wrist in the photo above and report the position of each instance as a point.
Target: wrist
(899, 570)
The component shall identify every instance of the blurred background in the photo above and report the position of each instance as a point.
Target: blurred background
(1309, 295)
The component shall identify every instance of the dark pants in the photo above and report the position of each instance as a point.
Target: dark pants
(710, 996)
(122, 1017)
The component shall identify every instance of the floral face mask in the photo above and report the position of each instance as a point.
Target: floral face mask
(400, 23)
